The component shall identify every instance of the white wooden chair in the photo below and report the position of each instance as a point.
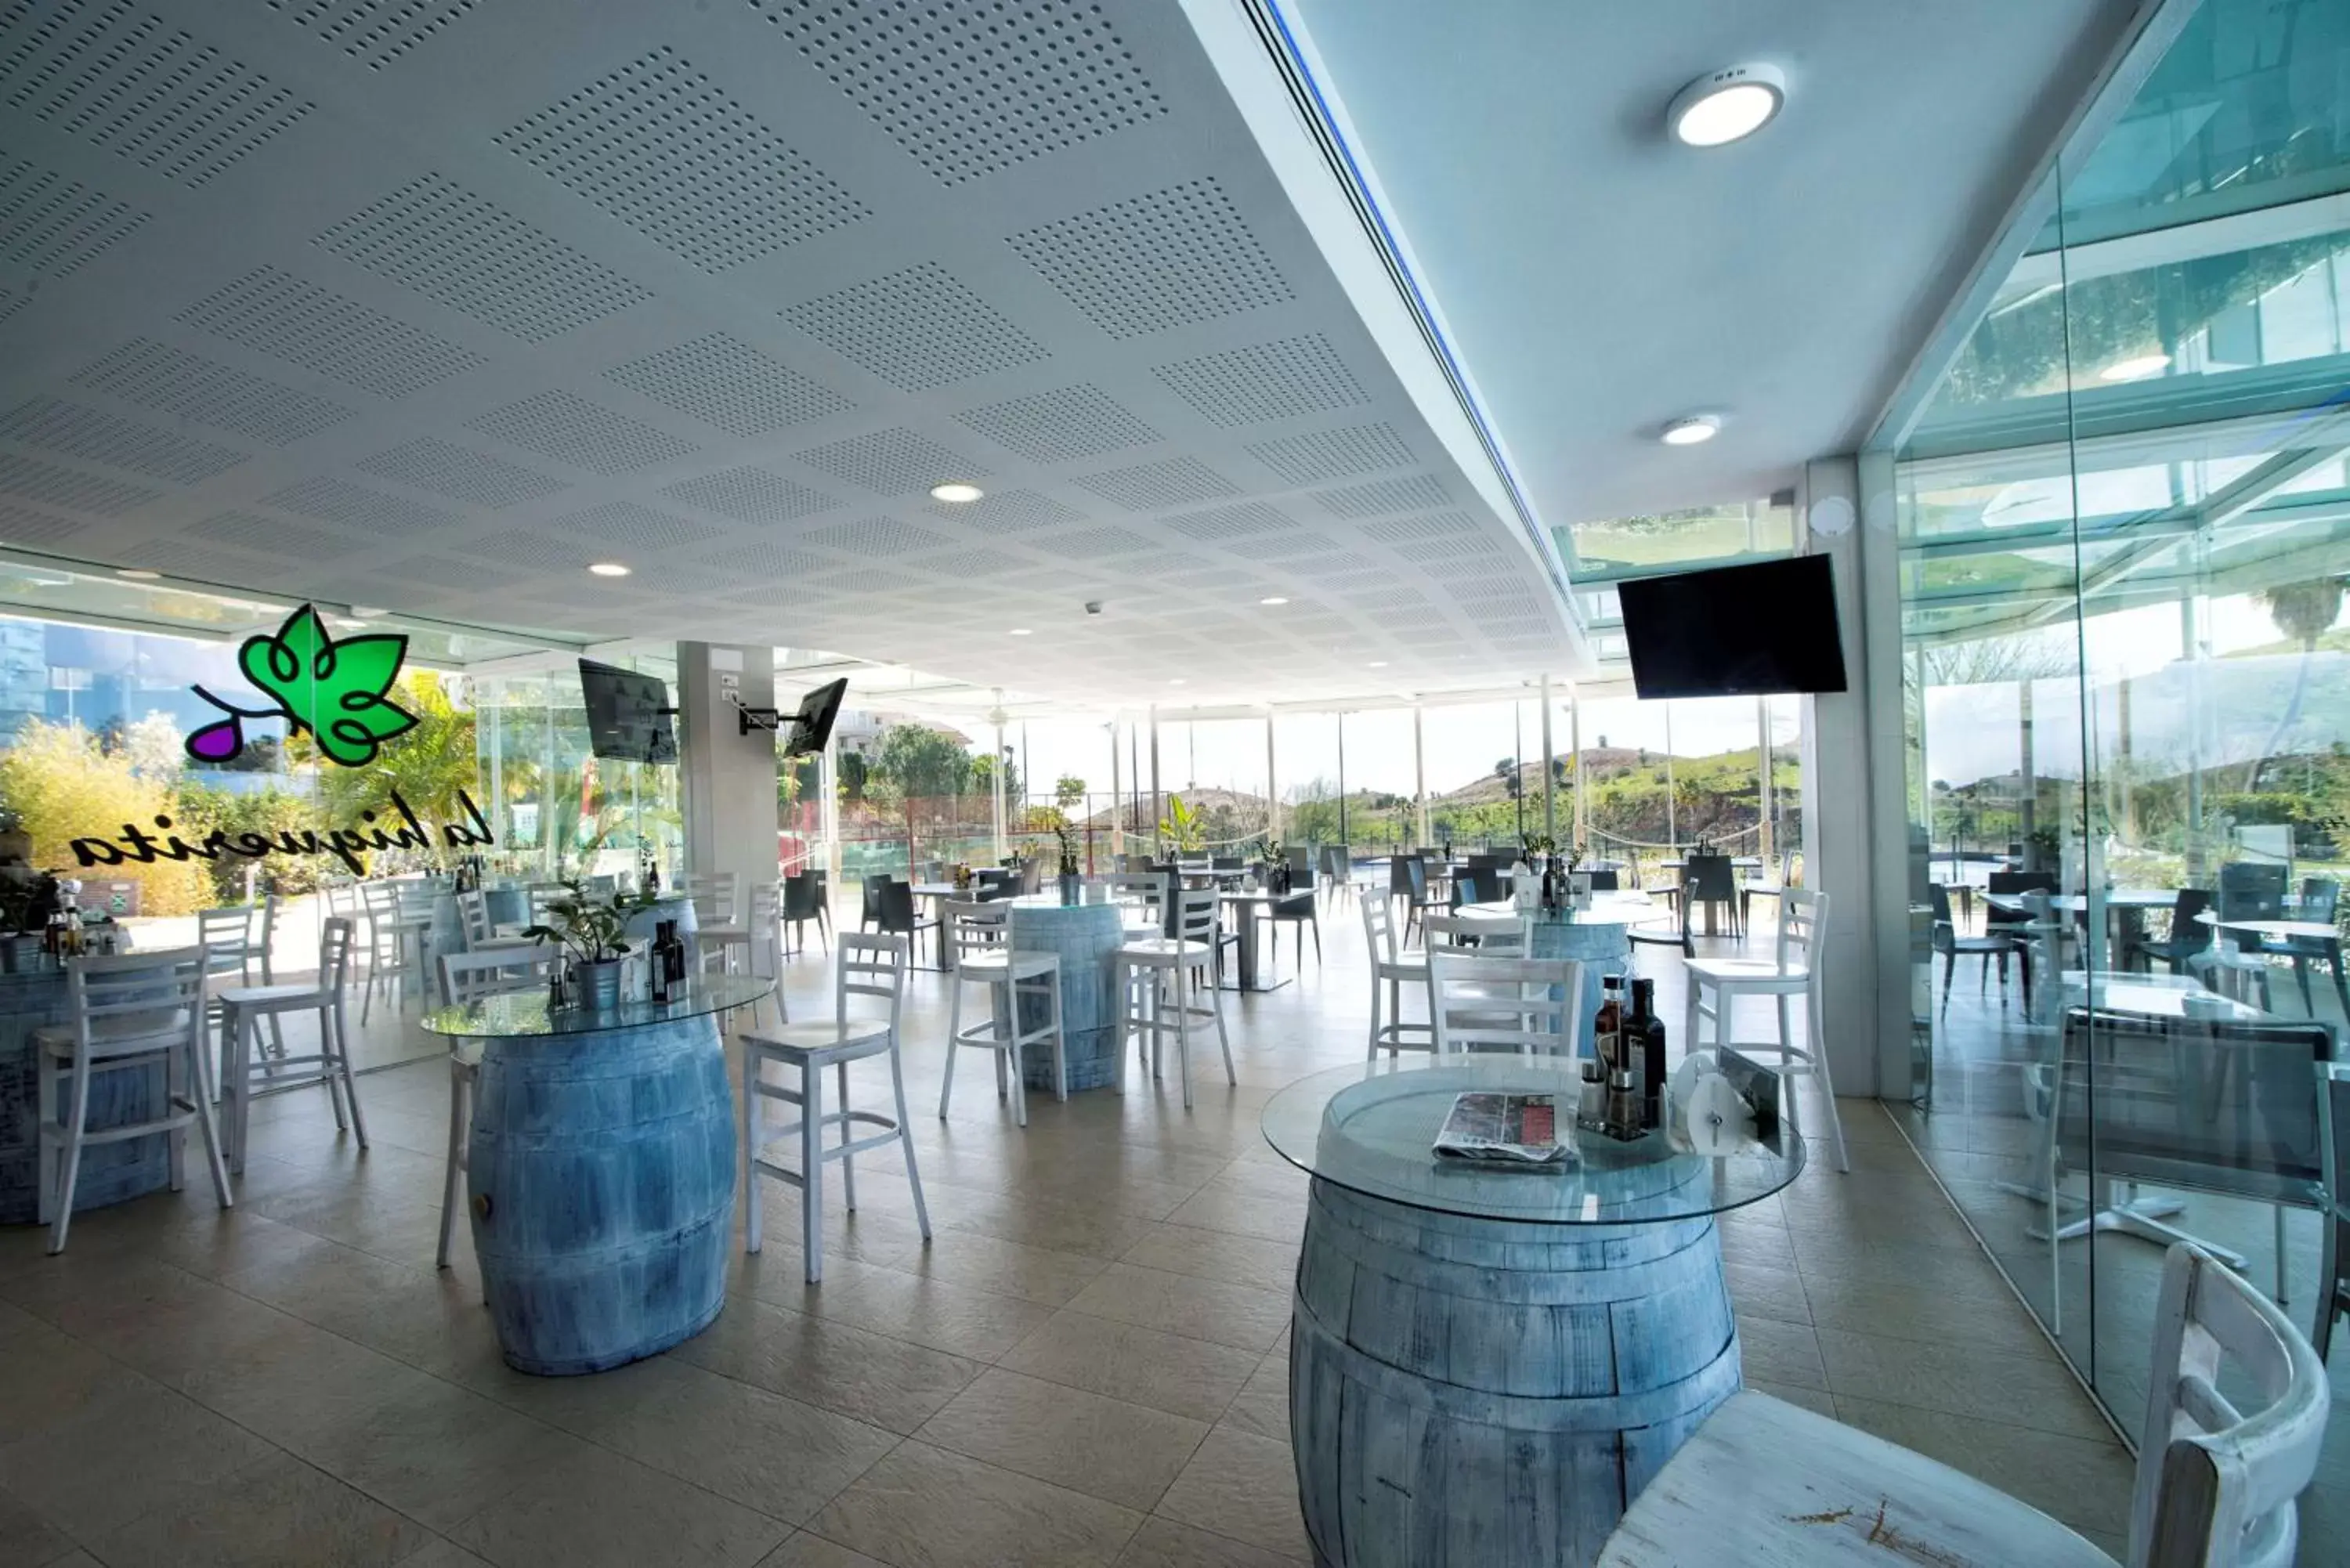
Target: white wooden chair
(866, 965)
(129, 1013)
(979, 945)
(1396, 969)
(1765, 1484)
(1531, 1006)
(468, 976)
(1715, 985)
(1144, 966)
(242, 1010)
(473, 919)
(233, 945)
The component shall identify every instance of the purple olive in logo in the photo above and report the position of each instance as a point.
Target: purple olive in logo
(217, 742)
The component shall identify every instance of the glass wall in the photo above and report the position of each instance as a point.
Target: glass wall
(2124, 521)
(558, 809)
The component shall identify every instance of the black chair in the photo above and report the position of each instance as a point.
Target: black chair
(1605, 881)
(1227, 863)
(870, 912)
(1407, 879)
(2224, 1106)
(1950, 944)
(1479, 885)
(2189, 936)
(1297, 911)
(2319, 897)
(2011, 886)
(2334, 1247)
(2248, 890)
(995, 882)
(1709, 879)
(897, 916)
(1301, 864)
(803, 902)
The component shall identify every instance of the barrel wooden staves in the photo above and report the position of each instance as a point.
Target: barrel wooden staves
(602, 1170)
(1468, 1390)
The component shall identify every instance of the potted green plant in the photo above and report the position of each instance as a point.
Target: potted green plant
(1071, 871)
(1182, 825)
(594, 933)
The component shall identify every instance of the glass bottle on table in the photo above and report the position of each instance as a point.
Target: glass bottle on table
(1607, 1024)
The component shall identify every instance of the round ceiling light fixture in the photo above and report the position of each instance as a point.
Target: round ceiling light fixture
(1379, 664)
(2137, 368)
(957, 490)
(1273, 599)
(1728, 105)
(1020, 631)
(1691, 431)
(607, 569)
(137, 574)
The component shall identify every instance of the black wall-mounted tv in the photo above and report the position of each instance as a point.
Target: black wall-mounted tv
(627, 714)
(1735, 631)
(812, 721)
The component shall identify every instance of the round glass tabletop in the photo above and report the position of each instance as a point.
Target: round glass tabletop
(1371, 1128)
(515, 1013)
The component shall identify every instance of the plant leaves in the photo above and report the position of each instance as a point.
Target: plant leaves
(333, 690)
(365, 665)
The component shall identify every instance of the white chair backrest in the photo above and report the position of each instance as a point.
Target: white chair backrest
(416, 898)
(381, 902)
(767, 903)
(873, 964)
(334, 937)
(722, 886)
(474, 917)
(120, 1003)
(2214, 1486)
(342, 897)
(711, 910)
(1379, 930)
(1802, 923)
(975, 929)
(1195, 915)
(601, 886)
(470, 976)
(1527, 1005)
(226, 937)
(1492, 937)
(538, 896)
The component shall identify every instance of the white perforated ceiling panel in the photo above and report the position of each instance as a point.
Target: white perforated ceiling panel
(431, 303)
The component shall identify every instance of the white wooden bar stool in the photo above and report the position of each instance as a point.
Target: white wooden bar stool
(1396, 969)
(866, 965)
(468, 976)
(979, 945)
(232, 947)
(1144, 969)
(242, 1010)
(1487, 1002)
(1765, 1483)
(130, 1012)
(1714, 984)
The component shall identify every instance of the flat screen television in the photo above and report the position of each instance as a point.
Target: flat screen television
(812, 721)
(627, 714)
(1735, 631)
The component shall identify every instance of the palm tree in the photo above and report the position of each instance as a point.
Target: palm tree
(2303, 611)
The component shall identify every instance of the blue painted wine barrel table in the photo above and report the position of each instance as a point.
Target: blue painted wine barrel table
(1487, 1363)
(600, 1170)
(1084, 937)
(33, 994)
(1600, 937)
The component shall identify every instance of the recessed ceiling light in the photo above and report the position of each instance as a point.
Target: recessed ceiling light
(1690, 432)
(1727, 105)
(957, 490)
(1273, 599)
(2137, 368)
(609, 569)
(1177, 682)
(369, 612)
(1020, 631)
(1379, 664)
(137, 574)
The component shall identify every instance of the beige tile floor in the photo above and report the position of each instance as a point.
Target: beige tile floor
(1087, 1366)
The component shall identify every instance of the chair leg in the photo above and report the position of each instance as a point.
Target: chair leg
(751, 1120)
(848, 1134)
(812, 1170)
(905, 1137)
(1216, 1005)
(69, 1158)
(342, 1063)
(1011, 1061)
(1183, 983)
(1374, 1052)
(200, 1103)
(1816, 1040)
(457, 1119)
(955, 1032)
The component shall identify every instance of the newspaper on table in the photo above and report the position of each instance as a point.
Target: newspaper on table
(1506, 1129)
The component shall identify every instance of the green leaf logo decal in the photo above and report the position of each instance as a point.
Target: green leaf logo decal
(334, 690)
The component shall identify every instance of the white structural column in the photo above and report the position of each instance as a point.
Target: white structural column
(828, 811)
(1117, 794)
(1550, 793)
(1158, 807)
(1581, 796)
(995, 776)
(1420, 769)
(1856, 832)
(728, 778)
(1271, 787)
